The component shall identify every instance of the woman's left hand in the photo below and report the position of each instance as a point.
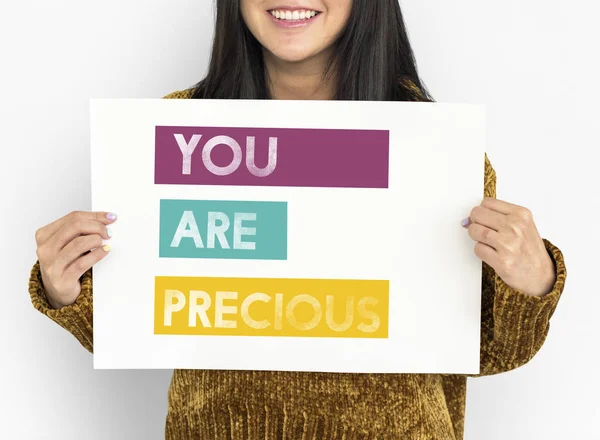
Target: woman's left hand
(508, 240)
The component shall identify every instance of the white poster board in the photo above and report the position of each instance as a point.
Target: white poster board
(288, 235)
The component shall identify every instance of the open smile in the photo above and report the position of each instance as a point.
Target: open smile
(293, 17)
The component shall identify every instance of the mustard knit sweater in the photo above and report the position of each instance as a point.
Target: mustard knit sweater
(236, 405)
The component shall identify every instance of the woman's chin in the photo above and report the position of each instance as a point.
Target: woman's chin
(292, 55)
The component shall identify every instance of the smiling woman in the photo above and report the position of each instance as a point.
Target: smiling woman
(296, 33)
(347, 50)
(312, 49)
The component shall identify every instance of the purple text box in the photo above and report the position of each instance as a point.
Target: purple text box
(272, 157)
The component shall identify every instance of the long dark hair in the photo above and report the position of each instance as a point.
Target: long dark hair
(373, 59)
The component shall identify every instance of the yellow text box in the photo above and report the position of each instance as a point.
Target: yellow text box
(271, 307)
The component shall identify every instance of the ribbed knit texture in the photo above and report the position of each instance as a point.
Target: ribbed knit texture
(266, 405)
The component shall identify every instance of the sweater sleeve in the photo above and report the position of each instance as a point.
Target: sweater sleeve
(76, 318)
(514, 325)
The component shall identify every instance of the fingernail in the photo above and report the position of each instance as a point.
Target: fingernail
(106, 248)
(465, 221)
(111, 216)
(108, 232)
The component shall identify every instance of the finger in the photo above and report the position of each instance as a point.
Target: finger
(499, 205)
(76, 248)
(484, 235)
(82, 264)
(487, 217)
(487, 254)
(43, 234)
(78, 226)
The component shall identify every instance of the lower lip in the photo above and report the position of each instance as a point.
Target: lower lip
(292, 24)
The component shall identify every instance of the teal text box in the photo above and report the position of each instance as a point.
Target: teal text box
(245, 230)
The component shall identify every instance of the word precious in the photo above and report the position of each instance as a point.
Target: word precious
(271, 307)
(232, 229)
(273, 157)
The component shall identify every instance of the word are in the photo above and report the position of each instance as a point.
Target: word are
(223, 229)
(217, 225)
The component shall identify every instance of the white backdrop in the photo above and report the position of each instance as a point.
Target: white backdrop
(533, 63)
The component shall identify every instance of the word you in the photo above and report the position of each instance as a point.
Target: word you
(188, 148)
(251, 156)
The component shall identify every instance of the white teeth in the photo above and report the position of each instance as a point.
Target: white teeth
(296, 15)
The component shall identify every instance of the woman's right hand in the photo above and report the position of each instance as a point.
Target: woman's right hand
(67, 248)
